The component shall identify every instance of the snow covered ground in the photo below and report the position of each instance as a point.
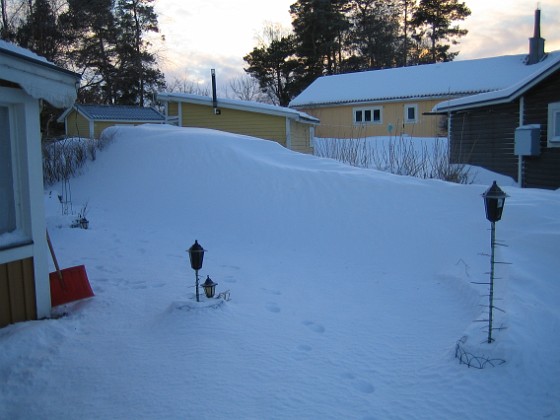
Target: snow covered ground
(350, 289)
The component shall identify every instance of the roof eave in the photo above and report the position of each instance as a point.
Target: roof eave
(246, 106)
(506, 98)
(426, 97)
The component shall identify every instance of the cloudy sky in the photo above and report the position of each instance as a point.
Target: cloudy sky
(205, 34)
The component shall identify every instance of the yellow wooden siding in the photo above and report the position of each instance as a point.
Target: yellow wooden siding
(76, 125)
(17, 292)
(337, 121)
(300, 135)
(263, 126)
(99, 126)
(173, 109)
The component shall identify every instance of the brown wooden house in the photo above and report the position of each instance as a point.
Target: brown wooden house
(25, 80)
(514, 131)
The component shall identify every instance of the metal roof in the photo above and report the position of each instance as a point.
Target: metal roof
(119, 113)
(249, 106)
(428, 81)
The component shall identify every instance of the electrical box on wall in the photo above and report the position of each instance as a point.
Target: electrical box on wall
(527, 140)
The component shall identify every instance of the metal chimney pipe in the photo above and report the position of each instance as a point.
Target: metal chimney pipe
(536, 43)
(214, 96)
(537, 33)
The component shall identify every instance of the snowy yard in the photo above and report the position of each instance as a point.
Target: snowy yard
(350, 289)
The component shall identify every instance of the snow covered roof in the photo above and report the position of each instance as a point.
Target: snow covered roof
(37, 76)
(251, 106)
(116, 113)
(428, 81)
(548, 65)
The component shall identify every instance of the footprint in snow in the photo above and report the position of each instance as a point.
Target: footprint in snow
(272, 307)
(314, 327)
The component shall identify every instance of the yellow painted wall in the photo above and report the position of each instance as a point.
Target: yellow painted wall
(172, 109)
(77, 125)
(263, 126)
(337, 121)
(301, 137)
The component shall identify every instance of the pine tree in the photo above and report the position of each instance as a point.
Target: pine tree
(40, 32)
(138, 76)
(375, 33)
(433, 21)
(275, 68)
(320, 27)
(91, 36)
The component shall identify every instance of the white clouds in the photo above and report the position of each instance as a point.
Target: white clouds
(501, 27)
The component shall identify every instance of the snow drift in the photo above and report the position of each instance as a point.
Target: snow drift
(350, 289)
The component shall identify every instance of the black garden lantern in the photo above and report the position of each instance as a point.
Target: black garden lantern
(209, 287)
(494, 200)
(196, 255)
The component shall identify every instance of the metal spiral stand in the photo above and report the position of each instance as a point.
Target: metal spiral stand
(494, 199)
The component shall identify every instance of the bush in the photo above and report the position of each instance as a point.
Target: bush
(63, 158)
(418, 157)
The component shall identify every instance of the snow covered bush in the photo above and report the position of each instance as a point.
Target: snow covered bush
(62, 158)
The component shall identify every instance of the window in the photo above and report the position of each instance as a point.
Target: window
(7, 193)
(411, 113)
(371, 115)
(15, 207)
(554, 124)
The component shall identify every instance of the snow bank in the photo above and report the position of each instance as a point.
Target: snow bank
(349, 291)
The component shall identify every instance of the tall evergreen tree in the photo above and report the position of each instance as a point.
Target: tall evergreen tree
(433, 20)
(91, 35)
(275, 67)
(408, 8)
(375, 33)
(320, 27)
(138, 76)
(40, 32)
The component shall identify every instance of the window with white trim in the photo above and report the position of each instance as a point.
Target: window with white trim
(7, 193)
(411, 113)
(15, 222)
(553, 124)
(370, 115)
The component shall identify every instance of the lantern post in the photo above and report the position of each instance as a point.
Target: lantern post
(494, 200)
(196, 256)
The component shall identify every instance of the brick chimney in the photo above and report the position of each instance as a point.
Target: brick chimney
(536, 43)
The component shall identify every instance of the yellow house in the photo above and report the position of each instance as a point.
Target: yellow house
(399, 101)
(293, 129)
(25, 80)
(90, 120)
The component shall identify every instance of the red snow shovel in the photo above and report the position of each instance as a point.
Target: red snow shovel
(68, 284)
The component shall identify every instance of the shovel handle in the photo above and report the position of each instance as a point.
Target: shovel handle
(51, 249)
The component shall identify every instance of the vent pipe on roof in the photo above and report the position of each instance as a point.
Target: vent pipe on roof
(536, 43)
(214, 95)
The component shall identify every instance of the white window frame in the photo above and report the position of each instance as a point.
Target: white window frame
(10, 220)
(16, 116)
(411, 120)
(363, 111)
(553, 125)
